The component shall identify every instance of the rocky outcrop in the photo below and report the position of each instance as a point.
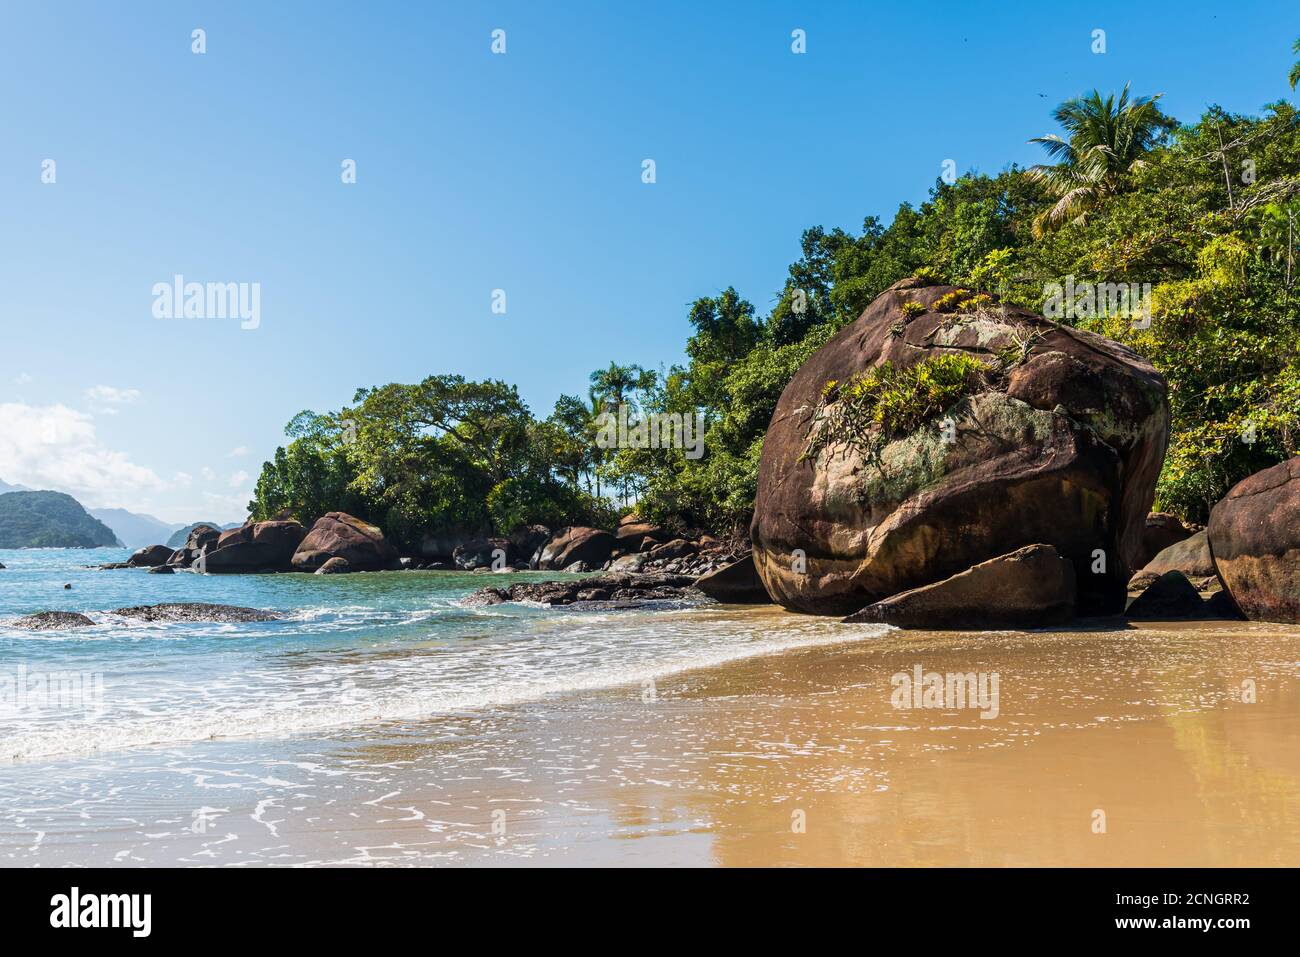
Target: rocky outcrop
(630, 535)
(254, 547)
(1058, 441)
(1169, 597)
(576, 544)
(51, 621)
(1032, 587)
(199, 538)
(150, 556)
(599, 590)
(525, 540)
(735, 584)
(484, 553)
(1191, 556)
(1254, 538)
(335, 566)
(1161, 530)
(340, 535)
(196, 611)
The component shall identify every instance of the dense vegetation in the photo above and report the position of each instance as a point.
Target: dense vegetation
(49, 520)
(1206, 213)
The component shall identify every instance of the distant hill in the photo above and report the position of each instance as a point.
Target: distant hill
(133, 529)
(49, 520)
(6, 487)
(181, 534)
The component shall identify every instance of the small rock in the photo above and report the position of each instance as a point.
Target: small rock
(334, 566)
(51, 620)
(162, 570)
(197, 611)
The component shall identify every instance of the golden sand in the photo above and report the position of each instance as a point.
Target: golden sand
(1123, 747)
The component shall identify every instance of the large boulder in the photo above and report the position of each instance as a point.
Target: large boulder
(1254, 537)
(631, 535)
(150, 556)
(1058, 440)
(338, 534)
(256, 546)
(1032, 587)
(1160, 531)
(1169, 597)
(200, 537)
(736, 584)
(575, 544)
(1191, 556)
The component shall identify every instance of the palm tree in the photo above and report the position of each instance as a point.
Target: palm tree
(1294, 75)
(1107, 139)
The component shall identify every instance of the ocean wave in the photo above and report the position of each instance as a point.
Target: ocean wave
(352, 688)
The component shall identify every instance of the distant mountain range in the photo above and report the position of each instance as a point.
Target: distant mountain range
(134, 530)
(45, 520)
(49, 520)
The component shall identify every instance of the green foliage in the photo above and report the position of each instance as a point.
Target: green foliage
(888, 402)
(49, 520)
(1132, 198)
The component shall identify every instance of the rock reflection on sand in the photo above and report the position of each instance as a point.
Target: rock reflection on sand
(1146, 725)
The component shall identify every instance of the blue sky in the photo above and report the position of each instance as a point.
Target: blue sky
(477, 172)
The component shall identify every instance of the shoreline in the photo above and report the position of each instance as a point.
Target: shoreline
(1143, 723)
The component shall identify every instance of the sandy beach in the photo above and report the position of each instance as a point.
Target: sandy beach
(1116, 746)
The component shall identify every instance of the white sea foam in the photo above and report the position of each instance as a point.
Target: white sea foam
(316, 690)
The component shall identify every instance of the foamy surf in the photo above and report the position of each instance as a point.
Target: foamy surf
(340, 689)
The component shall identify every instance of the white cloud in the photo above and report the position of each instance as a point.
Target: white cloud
(238, 452)
(111, 395)
(22, 379)
(182, 479)
(55, 447)
(238, 478)
(228, 507)
(207, 473)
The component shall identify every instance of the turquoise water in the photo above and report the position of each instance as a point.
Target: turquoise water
(356, 650)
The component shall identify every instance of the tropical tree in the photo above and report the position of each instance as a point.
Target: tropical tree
(1107, 140)
(1294, 76)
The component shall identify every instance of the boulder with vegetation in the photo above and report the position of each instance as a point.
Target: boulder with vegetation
(941, 430)
(1254, 536)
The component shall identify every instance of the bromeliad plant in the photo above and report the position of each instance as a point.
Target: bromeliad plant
(888, 402)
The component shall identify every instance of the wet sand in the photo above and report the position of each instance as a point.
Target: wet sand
(798, 758)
